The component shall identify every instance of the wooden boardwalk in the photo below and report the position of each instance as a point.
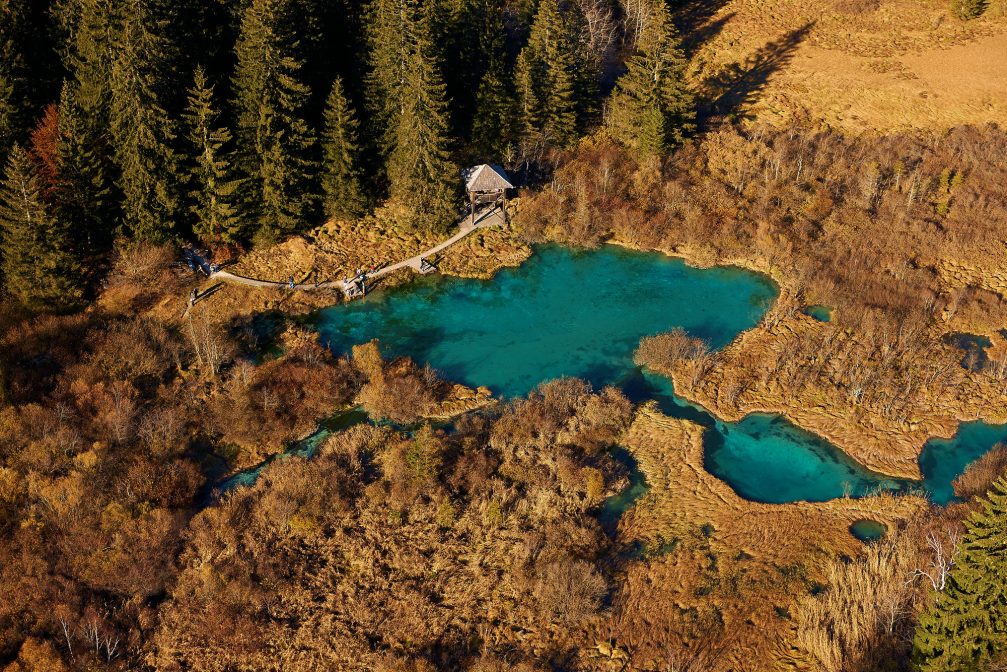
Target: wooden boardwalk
(487, 218)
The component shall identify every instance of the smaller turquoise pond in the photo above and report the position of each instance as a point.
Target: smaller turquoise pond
(868, 530)
(943, 460)
(763, 457)
(820, 313)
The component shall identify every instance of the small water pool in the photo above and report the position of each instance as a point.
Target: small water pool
(766, 458)
(973, 347)
(868, 530)
(943, 460)
(616, 505)
(820, 313)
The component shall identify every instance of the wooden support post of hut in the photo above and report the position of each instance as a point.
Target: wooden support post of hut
(486, 184)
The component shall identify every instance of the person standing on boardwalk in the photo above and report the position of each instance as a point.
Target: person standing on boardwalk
(291, 282)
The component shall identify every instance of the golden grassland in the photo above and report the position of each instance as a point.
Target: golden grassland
(853, 65)
(747, 564)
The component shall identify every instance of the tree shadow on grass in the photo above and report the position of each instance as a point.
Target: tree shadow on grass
(730, 92)
(695, 22)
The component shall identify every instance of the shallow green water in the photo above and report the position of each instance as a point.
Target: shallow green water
(868, 530)
(942, 460)
(820, 313)
(562, 313)
(306, 447)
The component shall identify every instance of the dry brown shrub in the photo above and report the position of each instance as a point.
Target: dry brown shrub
(135, 351)
(856, 6)
(402, 398)
(664, 351)
(863, 620)
(569, 591)
(979, 475)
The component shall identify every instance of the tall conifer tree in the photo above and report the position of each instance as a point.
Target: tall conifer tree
(388, 27)
(140, 128)
(651, 107)
(83, 195)
(493, 128)
(344, 193)
(40, 266)
(26, 77)
(8, 115)
(422, 176)
(274, 140)
(555, 76)
(966, 627)
(212, 185)
(95, 28)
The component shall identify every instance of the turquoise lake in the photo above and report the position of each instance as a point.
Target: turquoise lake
(569, 313)
(561, 313)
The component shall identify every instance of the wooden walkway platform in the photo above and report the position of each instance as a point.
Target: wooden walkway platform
(489, 217)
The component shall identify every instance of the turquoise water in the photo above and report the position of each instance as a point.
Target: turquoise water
(616, 505)
(566, 313)
(304, 448)
(943, 460)
(820, 313)
(766, 458)
(562, 313)
(868, 530)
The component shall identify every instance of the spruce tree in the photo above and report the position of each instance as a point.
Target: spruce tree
(651, 107)
(274, 140)
(422, 176)
(388, 27)
(40, 268)
(212, 186)
(13, 98)
(493, 128)
(966, 627)
(470, 36)
(95, 29)
(8, 115)
(968, 9)
(341, 184)
(83, 198)
(141, 131)
(555, 77)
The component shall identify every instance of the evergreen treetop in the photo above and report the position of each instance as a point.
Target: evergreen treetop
(341, 176)
(39, 264)
(966, 627)
(212, 186)
(275, 143)
(651, 108)
(423, 177)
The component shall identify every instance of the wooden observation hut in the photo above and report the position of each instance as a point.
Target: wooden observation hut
(486, 184)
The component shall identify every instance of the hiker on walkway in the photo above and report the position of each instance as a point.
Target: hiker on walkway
(291, 282)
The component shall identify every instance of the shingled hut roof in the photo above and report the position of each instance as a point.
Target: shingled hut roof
(486, 178)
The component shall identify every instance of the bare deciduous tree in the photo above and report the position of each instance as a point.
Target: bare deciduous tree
(944, 552)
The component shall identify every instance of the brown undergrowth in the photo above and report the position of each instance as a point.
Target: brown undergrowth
(868, 227)
(721, 581)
